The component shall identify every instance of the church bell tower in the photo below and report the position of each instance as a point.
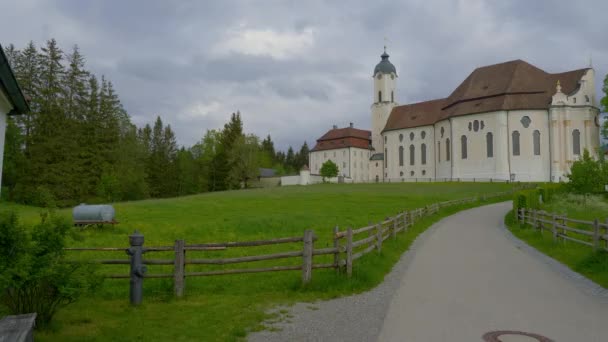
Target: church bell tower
(385, 84)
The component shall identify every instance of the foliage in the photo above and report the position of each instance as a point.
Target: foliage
(329, 169)
(34, 276)
(604, 105)
(244, 159)
(588, 175)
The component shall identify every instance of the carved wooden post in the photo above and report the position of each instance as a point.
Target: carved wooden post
(349, 252)
(179, 268)
(596, 234)
(307, 256)
(337, 247)
(138, 269)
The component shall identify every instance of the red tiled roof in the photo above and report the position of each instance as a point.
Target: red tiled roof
(343, 138)
(506, 86)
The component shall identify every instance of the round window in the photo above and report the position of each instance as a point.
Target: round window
(400, 137)
(442, 131)
(412, 136)
(470, 126)
(379, 76)
(476, 125)
(423, 134)
(412, 173)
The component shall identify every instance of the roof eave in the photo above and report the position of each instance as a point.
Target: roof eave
(8, 84)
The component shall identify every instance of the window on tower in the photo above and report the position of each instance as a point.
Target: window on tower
(380, 96)
(393, 96)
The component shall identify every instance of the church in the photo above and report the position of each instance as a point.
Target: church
(510, 121)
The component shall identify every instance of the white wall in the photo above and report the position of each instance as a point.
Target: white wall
(5, 107)
(528, 166)
(352, 162)
(443, 166)
(401, 137)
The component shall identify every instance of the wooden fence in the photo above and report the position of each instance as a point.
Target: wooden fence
(348, 246)
(590, 233)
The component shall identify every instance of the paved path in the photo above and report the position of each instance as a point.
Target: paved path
(462, 278)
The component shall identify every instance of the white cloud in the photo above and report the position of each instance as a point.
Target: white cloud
(199, 110)
(266, 42)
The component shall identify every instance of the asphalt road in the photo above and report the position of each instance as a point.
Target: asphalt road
(462, 278)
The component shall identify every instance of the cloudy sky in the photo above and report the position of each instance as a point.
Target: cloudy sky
(295, 68)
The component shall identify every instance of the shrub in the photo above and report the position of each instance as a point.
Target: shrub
(588, 175)
(526, 199)
(34, 275)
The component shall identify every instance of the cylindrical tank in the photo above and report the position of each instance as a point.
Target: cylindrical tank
(93, 213)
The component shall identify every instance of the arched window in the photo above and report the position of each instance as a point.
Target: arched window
(385, 158)
(400, 155)
(423, 154)
(438, 151)
(380, 96)
(576, 142)
(412, 155)
(447, 149)
(463, 147)
(490, 145)
(515, 139)
(392, 96)
(536, 140)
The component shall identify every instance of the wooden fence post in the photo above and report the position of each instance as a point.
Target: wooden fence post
(349, 252)
(179, 268)
(554, 227)
(379, 237)
(596, 234)
(405, 220)
(307, 256)
(337, 247)
(606, 236)
(395, 228)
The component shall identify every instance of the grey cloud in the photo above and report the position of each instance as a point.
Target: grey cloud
(160, 55)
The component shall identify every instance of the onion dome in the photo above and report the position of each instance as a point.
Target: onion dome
(385, 66)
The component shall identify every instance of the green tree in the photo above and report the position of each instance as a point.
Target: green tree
(329, 169)
(232, 131)
(244, 161)
(588, 175)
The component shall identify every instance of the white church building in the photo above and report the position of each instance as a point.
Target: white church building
(507, 121)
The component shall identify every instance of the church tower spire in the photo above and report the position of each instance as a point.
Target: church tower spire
(385, 84)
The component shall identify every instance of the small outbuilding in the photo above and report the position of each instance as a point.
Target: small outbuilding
(12, 101)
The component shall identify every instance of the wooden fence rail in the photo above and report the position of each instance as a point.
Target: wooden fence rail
(348, 246)
(590, 233)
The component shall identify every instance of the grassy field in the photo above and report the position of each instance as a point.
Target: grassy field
(580, 258)
(225, 308)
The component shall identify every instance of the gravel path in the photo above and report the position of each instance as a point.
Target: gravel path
(471, 277)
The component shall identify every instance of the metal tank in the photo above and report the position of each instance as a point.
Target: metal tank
(89, 214)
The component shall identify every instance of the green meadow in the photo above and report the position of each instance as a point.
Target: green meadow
(226, 308)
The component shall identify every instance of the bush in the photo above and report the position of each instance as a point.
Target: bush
(588, 175)
(526, 199)
(34, 275)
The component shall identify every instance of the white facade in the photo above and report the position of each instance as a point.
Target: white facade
(352, 162)
(5, 107)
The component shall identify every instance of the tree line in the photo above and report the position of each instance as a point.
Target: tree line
(78, 144)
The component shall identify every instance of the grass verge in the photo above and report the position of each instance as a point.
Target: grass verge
(580, 258)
